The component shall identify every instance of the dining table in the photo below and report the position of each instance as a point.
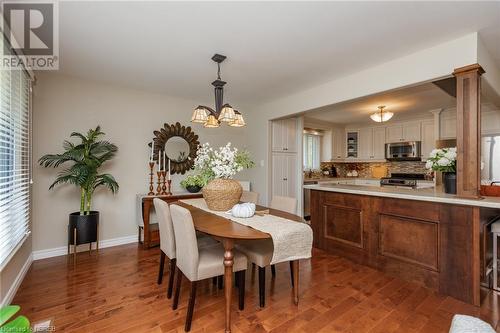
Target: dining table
(228, 232)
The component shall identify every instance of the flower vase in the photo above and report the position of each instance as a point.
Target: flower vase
(450, 182)
(222, 194)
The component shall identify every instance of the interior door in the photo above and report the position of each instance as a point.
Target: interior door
(277, 135)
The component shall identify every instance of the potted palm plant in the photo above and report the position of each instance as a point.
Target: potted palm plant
(86, 158)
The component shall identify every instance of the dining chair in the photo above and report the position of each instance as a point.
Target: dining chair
(249, 196)
(260, 252)
(167, 242)
(199, 263)
(285, 204)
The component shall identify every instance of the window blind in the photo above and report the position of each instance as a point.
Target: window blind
(311, 152)
(15, 160)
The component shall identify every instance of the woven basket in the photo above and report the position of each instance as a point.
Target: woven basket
(222, 194)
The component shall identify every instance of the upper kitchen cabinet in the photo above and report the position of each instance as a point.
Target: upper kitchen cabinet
(284, 135)
(428, 138)
(338, 146)
(372, 143)
(409, 131)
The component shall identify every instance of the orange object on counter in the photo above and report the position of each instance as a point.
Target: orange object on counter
(379, 171)
(491, 190)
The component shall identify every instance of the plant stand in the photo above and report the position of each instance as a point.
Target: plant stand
(83, 229)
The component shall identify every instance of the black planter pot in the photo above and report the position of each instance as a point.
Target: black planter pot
(450, 182)
(193, 189)
(86, 227)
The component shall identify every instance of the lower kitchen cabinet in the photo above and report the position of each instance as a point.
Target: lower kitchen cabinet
(284, 174)
(441, 246)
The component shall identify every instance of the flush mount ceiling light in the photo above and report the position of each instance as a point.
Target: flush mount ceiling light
(381, 115)
(223, 113)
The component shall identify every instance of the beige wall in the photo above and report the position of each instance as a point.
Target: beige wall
(64, 104)
(9, 273)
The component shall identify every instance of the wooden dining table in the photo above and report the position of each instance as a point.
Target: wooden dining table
(228, 232)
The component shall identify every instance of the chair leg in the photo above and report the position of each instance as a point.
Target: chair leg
(273, 271)
(171, 274)
(291, 272)
(214, 280)
(175, 303)
(241, 290)
(192, 298)
(220, 281)
(162, 264)
(262, 286)
(495, 261)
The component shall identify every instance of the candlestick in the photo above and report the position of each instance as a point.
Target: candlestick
(169, 172)
(151, 187)
(159, 159)
(164, 186)
(158, 187)
(164, 158)
(152, 151)
(169, 187)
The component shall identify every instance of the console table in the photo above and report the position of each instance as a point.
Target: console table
(150, 231)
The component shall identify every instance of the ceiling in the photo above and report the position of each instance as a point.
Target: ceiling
(404, 103)
(273, 48)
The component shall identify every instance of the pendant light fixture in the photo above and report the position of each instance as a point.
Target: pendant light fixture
(381, 115)
(223, 113)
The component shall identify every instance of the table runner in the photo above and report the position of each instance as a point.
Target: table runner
(292, 240)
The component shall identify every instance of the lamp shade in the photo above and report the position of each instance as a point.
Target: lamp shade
(211, 122)
(227, 114)
(199, 115)
(238, 120)
(381, 116)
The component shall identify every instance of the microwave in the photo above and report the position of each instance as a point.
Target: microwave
(403, 151)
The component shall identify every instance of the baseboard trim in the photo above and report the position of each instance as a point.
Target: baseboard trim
(17, 282)
(63, 250)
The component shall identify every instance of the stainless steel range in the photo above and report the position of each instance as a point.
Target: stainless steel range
(402, 180)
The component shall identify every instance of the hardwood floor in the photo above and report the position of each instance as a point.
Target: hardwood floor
(116, 291)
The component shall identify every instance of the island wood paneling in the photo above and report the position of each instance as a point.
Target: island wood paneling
(439, 245)
(410, 240)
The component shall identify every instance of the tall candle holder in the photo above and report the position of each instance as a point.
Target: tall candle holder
(164, 186)
(151, 187)
(169, 187)
(158, 188)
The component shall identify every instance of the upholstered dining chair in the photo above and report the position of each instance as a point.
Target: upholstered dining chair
(167, 242)
(248, 196)
(260, 252)
(200, 263)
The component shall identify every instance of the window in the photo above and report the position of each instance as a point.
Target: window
(15, 157)
(311, 151)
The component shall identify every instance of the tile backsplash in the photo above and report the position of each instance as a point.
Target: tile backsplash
(365, 169)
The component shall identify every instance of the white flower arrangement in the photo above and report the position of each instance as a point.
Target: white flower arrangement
(224, 162)
(444, 160)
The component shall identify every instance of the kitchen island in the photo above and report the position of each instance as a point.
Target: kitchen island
(420, 235)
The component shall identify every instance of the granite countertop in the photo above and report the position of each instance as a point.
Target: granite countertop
(424, 194)
(325, 179)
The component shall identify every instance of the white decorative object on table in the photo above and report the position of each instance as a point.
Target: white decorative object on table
(244, 210)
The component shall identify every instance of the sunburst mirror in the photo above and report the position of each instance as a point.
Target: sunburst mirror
(179, 143)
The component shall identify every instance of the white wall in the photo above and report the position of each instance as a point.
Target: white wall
(64, 104)
(419, 67)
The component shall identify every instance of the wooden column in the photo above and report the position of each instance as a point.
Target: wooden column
(468, 130)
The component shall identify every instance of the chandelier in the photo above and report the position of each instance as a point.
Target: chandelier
(381, 115)
(211, 118)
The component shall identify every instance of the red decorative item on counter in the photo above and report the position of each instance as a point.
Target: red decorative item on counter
(491, 190)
